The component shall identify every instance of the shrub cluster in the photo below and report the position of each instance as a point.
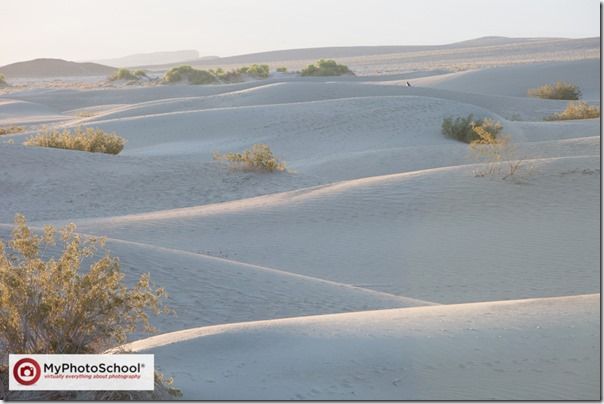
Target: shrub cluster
(463, 129)
(575, 110)
(10, 130)
(93, 140)
(560, 90)
(259, 157)
(215, 76)
(282, 69)
(125, 74)
(49, 305)
(325, 68)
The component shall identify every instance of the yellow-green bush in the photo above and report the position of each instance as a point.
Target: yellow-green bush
(10, 130)
(215, 76)
(123, 74)
(576, 110)
(560, 90)
(3, 80)
(462, 128)
(50, 305)
(259, 157)
(93, 140)
(325, 68)
(282, 69)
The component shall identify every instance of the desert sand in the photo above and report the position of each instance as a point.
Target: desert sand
(379, 266)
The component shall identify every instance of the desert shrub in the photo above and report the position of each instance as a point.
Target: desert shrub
(325, 68)
(49, 305)
(10, 130)
(576, 110)
(93, 140)
(560, 90)
(140, 73)
(498, 154)
(462, 129)
(215, 76)
(282, 69)
(3, 82)
(193, 76)
(123, 74)
(259, 157)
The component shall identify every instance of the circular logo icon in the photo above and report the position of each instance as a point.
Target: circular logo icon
(26, 371)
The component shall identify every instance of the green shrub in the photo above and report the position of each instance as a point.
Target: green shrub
(49, 305)
(140, 73)
(462, 129)
(193, 76)
(558, 91)
(123, 74)
(3, 82)
(10, 130)
(575, 110)
(259, 157)
(93, 140)
(282, 69)
(325, 68)
(215, 76)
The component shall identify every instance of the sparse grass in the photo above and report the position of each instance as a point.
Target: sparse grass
(575, 110)
(93, 140)
(498, 154)
(282, 69)
(50, 305)
(462, 128)
(215, 76)
(560, 90)
(10, 130)
(258, 158)
(325, 68)
(86, 114)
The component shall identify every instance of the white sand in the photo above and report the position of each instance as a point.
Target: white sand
(378, 211)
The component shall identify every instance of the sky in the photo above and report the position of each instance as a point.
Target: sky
(96, 29)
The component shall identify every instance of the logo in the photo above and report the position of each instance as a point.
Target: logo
(26, 371)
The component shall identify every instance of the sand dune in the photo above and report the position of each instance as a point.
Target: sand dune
(378, 211)
(366, 230)
(525, 349)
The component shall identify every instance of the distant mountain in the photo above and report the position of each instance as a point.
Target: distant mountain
(341, 52)
(43, 68)
(154, 58)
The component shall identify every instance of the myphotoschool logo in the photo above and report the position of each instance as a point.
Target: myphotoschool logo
(26, 371)
(81, 372)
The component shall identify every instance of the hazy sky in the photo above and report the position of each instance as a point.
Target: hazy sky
(95, 29)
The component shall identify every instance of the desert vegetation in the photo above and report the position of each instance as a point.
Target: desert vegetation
(125, 74)
(560, 90)
(93, 140)
(463, 128)
(325, 68)
(282, 69)
(498, 154)
(3, 82)
(575, 110)
(49, 304)
(11, 130)
(215, 76)
(258, 158)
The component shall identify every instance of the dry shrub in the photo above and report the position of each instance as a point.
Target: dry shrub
(575, 110)
(93, 140)
(326, 68)
(560, 90)
(48, 305)
(11, 130)
(259, 157)
(462, 128)
(498, 154)
(3, 82)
